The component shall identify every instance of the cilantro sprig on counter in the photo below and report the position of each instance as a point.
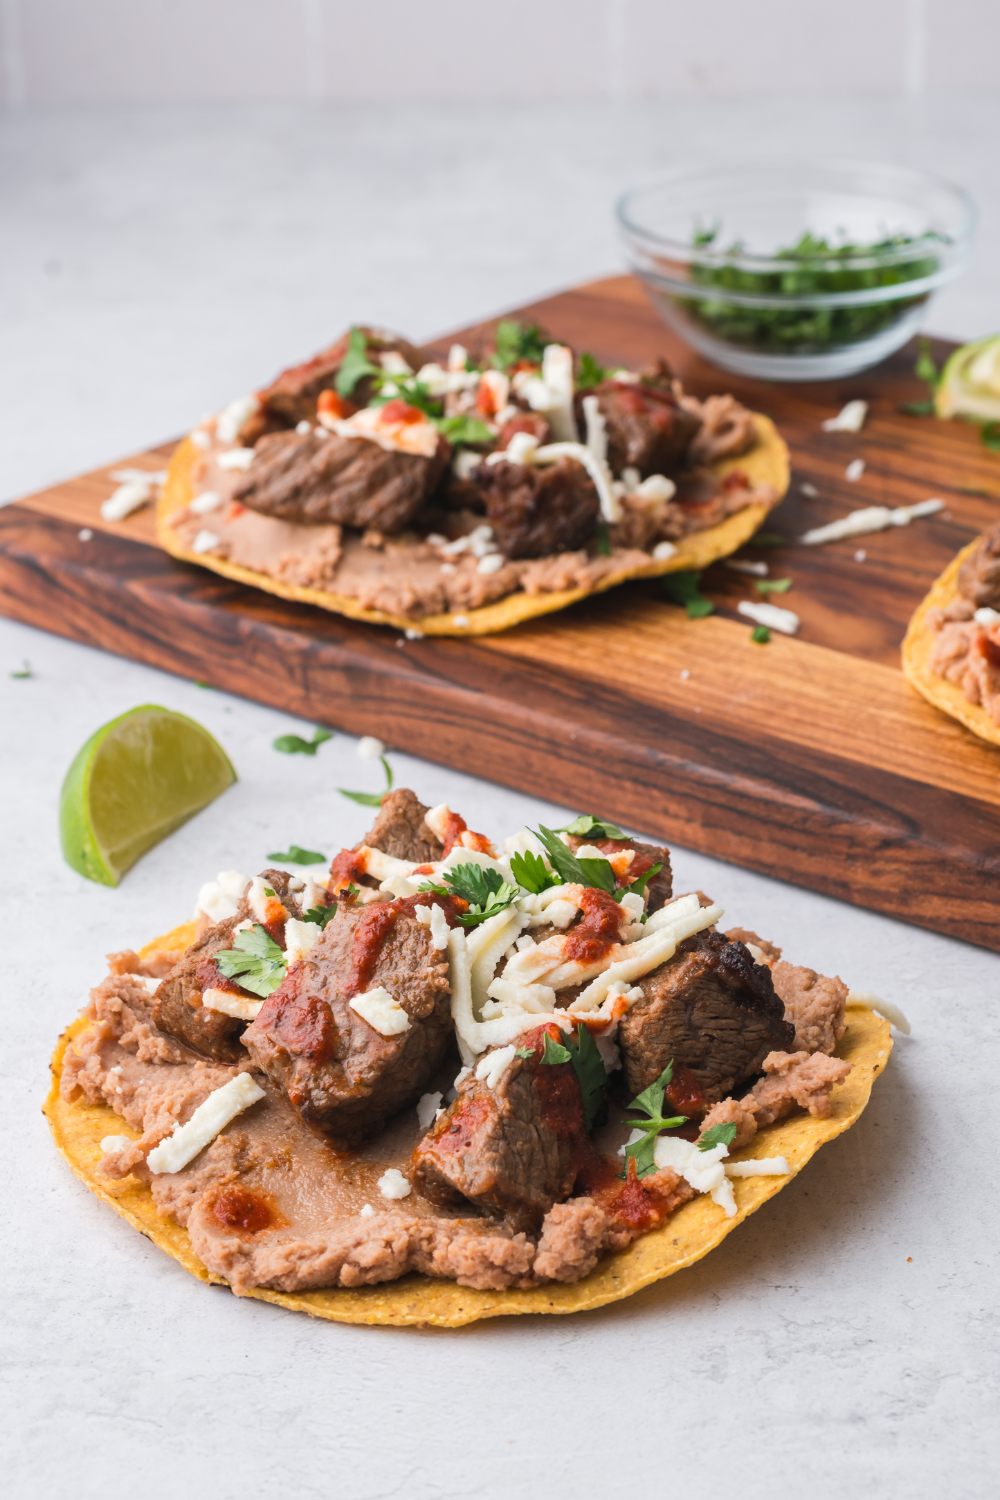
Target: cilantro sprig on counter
(767, 586)
(682, 588)
(294, 744)
(650, 1102)
(294, 855)
(371, 799)
(581, 1050)
(255, 961)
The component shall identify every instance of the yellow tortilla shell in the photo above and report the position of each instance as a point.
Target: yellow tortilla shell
(765, 464)
(918, 646)
(695, 1229)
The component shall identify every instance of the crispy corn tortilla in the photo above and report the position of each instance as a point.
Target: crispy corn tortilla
(918, 646)
(767, 463)
(695, 1229)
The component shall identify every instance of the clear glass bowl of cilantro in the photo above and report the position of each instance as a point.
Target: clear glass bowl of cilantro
(795, 270)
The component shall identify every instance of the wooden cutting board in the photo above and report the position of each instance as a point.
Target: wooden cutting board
(809, 759)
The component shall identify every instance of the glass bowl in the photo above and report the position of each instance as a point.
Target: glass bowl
(795, 270)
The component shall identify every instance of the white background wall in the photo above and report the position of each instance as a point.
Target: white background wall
(59, 52)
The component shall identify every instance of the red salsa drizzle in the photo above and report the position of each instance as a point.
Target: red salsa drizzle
(597, 933)
(455, 826)
(555, 1084)
(343, 868)
(988, 650)
(302, 1024)
(633, 1202)
(238, 1208)
(736, 479)
(377, 921)
(684, 1093)
(458, 1128)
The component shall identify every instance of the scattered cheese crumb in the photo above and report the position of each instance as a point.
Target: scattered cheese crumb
(206, 501)
(656, 487)
(383, 1013)
(427, 1108)
(300, 939)
(369, 748)
(127, 498)
(460, 620)
(200, 438)
(662, 551)
(412, 634)
(115, 1142)
(892, 1013)
(448, 567)
(809, 490)
(392, 1184)
(742, 565)
(205, 541)
(303, 428)
(232, 417)
(850, 418)
(987, 616)
(770, 615)
(221, 1106)
(236, 458)
(85, 535)
(492, 563)
(854, 469)
(870, 518)
(366, 1212)
(228, 1004)
(494, 1065)
(761, 1166)
(218, 898)
(685, 674)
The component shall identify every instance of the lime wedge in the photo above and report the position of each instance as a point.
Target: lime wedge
(970, 382)
(132, 784)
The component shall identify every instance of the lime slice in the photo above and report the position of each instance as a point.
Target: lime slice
(970, 382)
(132, 784)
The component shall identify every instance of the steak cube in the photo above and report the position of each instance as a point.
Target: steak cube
(321, 478)
(537, 511)
(514, 1149)
(292, 397)
(713, 1011)
(646, 427)
(400, 829)
(658, 889)
(340, 1072)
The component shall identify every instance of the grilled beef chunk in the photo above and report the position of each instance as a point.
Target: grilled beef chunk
(647, 429)
(646, 856)
(979, 575)
(292, 396)
(336, 1070)
(176, 1006)
(400, 830)
(537, 511)
(514, 1149)
(321, 478)
(711, 1009)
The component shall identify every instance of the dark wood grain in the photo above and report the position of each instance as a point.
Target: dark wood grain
(809, 759)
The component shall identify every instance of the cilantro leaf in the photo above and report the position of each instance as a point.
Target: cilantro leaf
(917, 408)
(591, 1073)
(772, 585)
(356, 364)
(531, 872)
(989, 432)
(25, 670)
(516, 341)
(297, 856)
(682, 588)
(643, 1153)
(717, 1135)
(371, 799)
(553, 1052)
(590, 372)
(256, 962)
(638, 886)
(525, 1052)
(602, 541)
(760, 634)
(483, 887)
(464, 430)
(294, 744)
(320, 914)
(650, 1101)
(592, 872)
(586, 824)
(411, 390)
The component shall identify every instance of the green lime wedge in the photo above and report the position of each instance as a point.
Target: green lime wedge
(134, 782)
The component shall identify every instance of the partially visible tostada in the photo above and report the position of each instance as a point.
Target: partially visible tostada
(462, 498)
(400, 1094)
(951, 652)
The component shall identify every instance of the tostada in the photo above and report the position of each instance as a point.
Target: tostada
(461, 498)
(450, 1081)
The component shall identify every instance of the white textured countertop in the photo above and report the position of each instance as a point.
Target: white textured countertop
(844, 1341)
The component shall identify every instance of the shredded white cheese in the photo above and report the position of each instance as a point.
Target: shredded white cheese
(743, 565)
(434, 918)
(366, 1211)
(892, 1013)
(392, 1184)
(126, 499)
(656, 488)
(870, 518)
(761, 1166)
(221, 1106)
(384, 1014)
(205, 541)
(850, 418)
(491, 564)
(369, 748)
(771, 615)
(854, 470)
(232, 417)
(236, 458)
(987, 616)
(206, 501)
(229, 1004)
(611, 506)
(427, 1108)
(702, 1169)
(662, 551)
(494, 1065)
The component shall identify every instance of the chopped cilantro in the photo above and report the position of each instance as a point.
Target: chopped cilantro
(483, 887)
(760, 634)
(516, 341)
(356, 364)
(464, 430)
(590, 372)
(650, 1102)
(682, 588)
(717, 1135)
(372, 799)
(917, 408)
(586, 824)
(411, 390)
(772, 585)
(25, 670)
(256, 962)
(294, 744)
(525, 1052)
(531, 872)
(989, 432)
(602, 541)
(768, 539)
(297, 856)
(553, 1052)
(638, 887)
(320, 914)
(592, 872)
(581, 1050)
